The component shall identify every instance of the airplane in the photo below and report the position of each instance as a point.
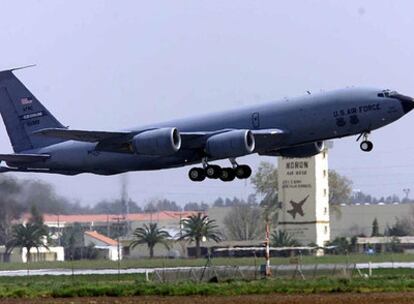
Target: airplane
(291, 127)
(297, 208)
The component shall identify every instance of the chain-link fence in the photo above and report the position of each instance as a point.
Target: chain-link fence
(225, 273)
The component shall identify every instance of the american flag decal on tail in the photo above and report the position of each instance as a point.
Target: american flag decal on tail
(26, 100)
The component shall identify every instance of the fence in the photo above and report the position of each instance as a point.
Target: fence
(248, 273)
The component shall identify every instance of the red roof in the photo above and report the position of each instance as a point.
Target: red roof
(88, 218)
(102, 238)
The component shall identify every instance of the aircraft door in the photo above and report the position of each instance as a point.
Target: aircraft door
(256, 120)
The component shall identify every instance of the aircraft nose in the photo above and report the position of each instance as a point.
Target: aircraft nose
(407, 103)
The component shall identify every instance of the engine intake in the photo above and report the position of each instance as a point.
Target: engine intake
(230, 144)
(159, 142)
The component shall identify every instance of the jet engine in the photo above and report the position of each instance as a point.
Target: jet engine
(230, 144)
(306, 150)
(158, 142)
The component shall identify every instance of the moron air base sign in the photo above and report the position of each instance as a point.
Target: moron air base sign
(304, 197)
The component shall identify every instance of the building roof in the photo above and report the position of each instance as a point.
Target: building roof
(105, 218)
(385, 239)
(102, 238)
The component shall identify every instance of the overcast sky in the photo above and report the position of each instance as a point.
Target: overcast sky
(105, 65)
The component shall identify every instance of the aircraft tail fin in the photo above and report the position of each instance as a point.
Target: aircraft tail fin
(23, 114)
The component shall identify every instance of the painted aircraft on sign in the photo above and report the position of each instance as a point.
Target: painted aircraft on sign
(294, 127)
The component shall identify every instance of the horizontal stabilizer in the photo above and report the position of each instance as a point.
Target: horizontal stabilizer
(23, 158)
(81, 135)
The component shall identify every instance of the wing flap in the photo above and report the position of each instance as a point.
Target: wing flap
(23, 158)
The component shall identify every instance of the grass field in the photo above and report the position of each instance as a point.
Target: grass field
(159, 263)
(386, 280)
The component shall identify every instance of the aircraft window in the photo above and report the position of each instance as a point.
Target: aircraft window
(388, 93)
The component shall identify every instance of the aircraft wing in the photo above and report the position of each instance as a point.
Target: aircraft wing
(118, 141)
(263, 137)
(81, 135)
(23, 158)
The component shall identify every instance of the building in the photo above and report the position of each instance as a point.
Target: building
(304, 198)
(350, 220)
(109, 225)
(381, 243)
(42, 254)
(107, 247)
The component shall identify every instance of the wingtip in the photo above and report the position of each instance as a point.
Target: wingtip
(19, 68)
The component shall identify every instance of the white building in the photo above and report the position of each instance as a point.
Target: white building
(42, 254)
(107, 246)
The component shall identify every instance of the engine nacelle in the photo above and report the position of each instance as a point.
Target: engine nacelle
(230, 144)
(159, 142)
(307, 150)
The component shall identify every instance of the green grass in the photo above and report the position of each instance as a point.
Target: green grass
(151, 263)
(385, 280)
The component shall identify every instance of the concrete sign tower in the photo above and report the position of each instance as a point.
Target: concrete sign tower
(304, 194)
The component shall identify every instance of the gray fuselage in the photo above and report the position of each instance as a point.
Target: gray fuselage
(306, 119)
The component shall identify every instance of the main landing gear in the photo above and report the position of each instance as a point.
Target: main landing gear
(365, 144)
(216, 172)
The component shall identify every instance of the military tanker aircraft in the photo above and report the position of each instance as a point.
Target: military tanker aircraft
(291, 127)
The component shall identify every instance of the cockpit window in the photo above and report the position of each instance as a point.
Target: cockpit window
(395, 95)
(388, 93)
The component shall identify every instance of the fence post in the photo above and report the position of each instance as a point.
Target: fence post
(369, 269)
(314, 270)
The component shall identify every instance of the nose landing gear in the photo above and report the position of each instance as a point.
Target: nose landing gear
(365, 144)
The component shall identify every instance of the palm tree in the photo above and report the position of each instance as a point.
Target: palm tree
(280, 238)
(198, 227)
(150, 235)
(28, 236)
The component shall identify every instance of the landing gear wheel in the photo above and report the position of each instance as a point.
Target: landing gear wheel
(366, 146)
(243, 171)
(197, 174)
(227, 174)
(213, 171)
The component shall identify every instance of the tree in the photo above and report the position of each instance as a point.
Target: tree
(10, 205)
(281, 238)
(193, 206)
(341, 244)
(243, 222)
(402, 227)
(394, 245)
(167, 205)
(265, 181)
(156, 205)
(198, 227)
(375, 228)
(219, 202)
(115, 207)
(27, 236)
(340, 188)
(150, 235)
(72, 238)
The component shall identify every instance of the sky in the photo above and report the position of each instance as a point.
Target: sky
(110, 65)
